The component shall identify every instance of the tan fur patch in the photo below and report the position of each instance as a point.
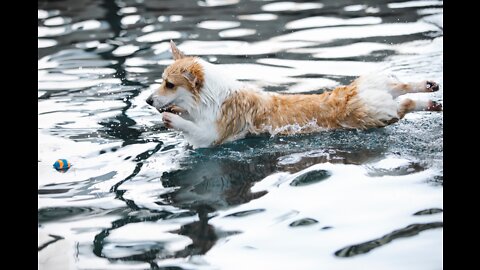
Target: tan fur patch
(402, 88)
(406, 106)
(175, 73)
(258, 112)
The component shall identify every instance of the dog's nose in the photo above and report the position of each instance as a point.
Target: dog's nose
(149, 101)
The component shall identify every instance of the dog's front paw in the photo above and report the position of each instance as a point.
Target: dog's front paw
(171, 120)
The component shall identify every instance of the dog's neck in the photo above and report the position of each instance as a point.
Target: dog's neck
(217, 86)
(217, 83)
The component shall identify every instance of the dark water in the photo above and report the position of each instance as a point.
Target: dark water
(138, 197)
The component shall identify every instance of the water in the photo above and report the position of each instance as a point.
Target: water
(138, 197)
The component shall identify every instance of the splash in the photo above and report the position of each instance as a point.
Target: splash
(296, 128)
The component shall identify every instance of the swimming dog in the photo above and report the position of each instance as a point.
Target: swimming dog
(210, 107)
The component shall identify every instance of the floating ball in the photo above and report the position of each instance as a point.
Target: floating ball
(62, 165)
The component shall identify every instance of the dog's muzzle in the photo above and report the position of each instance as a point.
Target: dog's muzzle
(166, 108)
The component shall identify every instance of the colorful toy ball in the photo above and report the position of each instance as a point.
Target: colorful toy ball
(62, 165)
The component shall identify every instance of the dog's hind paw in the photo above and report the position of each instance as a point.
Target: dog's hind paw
(434, 106)
(431, 86)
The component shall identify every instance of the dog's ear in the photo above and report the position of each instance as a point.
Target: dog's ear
(190, 78)
(177, 54)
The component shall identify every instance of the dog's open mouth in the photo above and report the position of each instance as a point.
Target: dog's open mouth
(166, 108)
(170, 108)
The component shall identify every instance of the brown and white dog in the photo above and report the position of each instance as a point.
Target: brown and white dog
(211, 108)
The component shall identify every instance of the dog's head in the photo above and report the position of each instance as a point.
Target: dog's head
(182, 82)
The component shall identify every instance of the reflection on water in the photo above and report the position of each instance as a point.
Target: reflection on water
(138, 197)
(408, 231)
(214, 183)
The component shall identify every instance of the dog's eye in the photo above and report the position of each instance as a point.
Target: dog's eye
(169, 84)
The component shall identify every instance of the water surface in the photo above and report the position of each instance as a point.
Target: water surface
(138, 197)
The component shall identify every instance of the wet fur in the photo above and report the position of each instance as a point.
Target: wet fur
(211, 108)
